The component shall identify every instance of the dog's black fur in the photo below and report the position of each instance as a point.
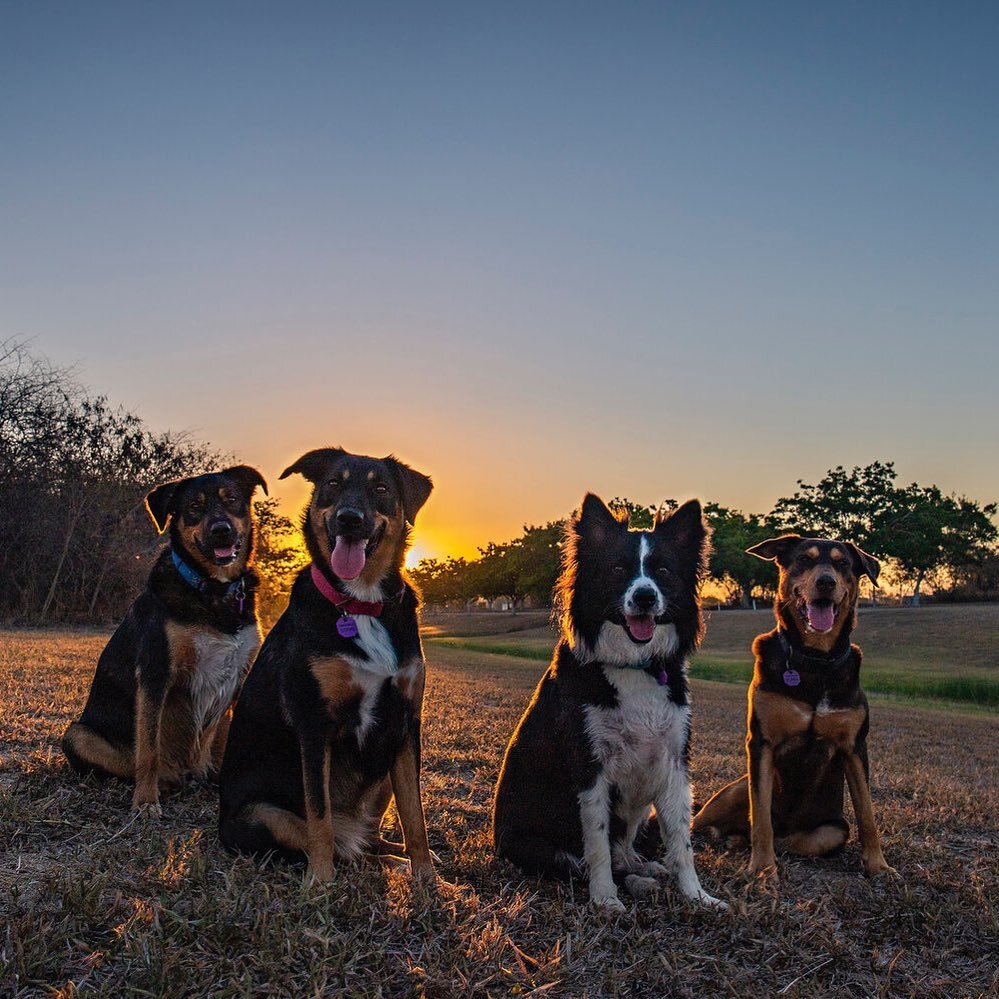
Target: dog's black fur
(607, 732)
(342, 711)
(159, 702)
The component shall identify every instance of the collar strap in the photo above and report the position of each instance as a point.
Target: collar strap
(344, 602)
(237, 588)
(801, 658)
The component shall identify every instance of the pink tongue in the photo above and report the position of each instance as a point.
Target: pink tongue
(641, 626)
(347, 559)
(225, 552)
(821, 617)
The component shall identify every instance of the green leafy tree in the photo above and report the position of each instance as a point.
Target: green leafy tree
(737, 573)
(924, 533)
(279, 557)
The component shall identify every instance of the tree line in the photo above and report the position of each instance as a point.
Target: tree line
(76, 544)
(75, 541)
(919, 532)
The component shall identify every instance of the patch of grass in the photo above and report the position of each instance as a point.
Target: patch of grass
(94, 903)
(922, 655)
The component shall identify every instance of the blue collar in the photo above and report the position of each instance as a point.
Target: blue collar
(236, 589)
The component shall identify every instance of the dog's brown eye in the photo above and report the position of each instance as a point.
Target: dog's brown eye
(381, 488)
(619, 570)
(194, 512)
(662, 572)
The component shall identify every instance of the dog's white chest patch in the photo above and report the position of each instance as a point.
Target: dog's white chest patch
(641, 740)
(220, 661)
(374, 640)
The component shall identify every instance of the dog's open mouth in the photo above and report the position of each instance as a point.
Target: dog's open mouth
(819, 615)
(640, 627)
(221, 556)
(348, 558)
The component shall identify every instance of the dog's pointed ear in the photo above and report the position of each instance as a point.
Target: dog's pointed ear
(312, 464)
(595, 520)
(863, 564)
(686, 529)
(415, 488)
(159, 504)
(247, 478)
(774, 549)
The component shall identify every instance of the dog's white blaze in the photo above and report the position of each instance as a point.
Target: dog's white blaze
(220, 663)
(643, 581)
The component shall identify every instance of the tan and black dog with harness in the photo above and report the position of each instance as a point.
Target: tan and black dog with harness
(808, 716)
(159, 703)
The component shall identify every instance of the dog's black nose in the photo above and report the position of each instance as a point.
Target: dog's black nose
(825, 583)
(349, 519)
(221, 531)
(644, 598)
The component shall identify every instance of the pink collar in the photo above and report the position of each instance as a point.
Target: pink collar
(344, 602)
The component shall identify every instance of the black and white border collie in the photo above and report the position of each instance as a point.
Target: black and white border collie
(606, 735)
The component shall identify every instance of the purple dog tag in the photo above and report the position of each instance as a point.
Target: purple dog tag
(346, 627)
(662, 679)
(792, 677)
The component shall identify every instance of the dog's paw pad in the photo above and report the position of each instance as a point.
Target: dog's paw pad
(640, 887)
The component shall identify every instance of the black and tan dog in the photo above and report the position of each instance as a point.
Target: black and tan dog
(159, 704)
(808, 716)
(327, 728)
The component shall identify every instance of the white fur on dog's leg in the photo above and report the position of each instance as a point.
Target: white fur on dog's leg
(639, 887)
(594, 814)
(673, 809)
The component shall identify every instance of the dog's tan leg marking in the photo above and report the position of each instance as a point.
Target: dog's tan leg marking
(409, 802)
(148, 718)
(318, 817)
(213, 742)
(817, 843)
(98, 752)
(860, 793)
(761, 793)
(727, 811)
(286, 827)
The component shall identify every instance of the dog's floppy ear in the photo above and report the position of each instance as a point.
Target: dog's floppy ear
(774, 549)
(247, 478)
(687, 529)
(863, 564)
(596, 521)
(159, 504)
(414, 485)
(312, 464)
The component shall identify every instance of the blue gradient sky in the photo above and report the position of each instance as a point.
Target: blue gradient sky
(646, 249)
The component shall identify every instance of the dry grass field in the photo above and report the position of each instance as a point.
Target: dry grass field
(94, 903)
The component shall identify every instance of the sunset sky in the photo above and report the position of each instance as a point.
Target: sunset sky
(648, 249)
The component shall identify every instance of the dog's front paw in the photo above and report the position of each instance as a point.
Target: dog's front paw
(881, 869)
(640, 887)
(710, 902)
(423, 873)
(606, 901)
(763, 864)
(146, 807)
